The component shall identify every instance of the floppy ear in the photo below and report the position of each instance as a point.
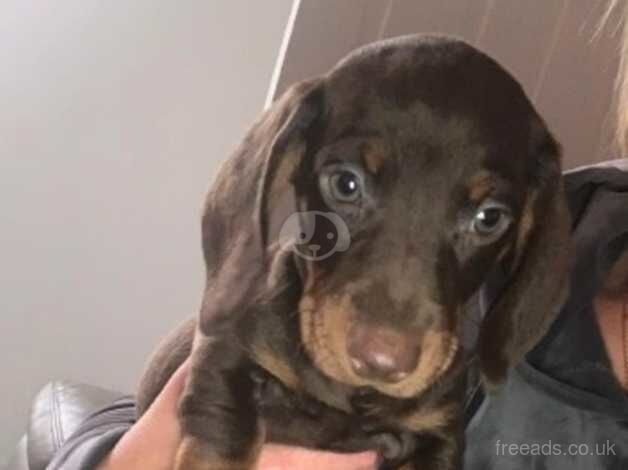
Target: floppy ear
(249, 184)
(538, 283)
(287, 152)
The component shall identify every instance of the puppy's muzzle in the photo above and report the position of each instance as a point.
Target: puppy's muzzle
(382, 353)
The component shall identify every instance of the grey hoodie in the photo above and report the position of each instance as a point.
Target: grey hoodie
(562, 409)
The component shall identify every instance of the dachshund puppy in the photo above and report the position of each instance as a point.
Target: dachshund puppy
(421, 166)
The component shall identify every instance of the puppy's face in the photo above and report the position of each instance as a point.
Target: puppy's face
(428, 164)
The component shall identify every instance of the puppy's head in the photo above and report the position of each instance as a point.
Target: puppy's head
(431, 163)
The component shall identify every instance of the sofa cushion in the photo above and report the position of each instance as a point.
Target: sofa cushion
(58, 409)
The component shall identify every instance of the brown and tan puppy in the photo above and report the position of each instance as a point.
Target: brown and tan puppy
(416, 167)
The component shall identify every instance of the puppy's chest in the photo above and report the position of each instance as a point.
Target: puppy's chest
(298, 419)
(300, 407)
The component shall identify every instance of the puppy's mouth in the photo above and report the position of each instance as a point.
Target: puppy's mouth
(393, 363)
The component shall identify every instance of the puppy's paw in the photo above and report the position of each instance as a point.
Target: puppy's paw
(394, 447)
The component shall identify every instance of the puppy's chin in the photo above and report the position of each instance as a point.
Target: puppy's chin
(324, 331)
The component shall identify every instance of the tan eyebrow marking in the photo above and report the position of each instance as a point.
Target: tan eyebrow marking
(374, 157)
(480, 186)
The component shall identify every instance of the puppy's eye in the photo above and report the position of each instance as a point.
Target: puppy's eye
(345, 186)
(487, 220)
(342, 183)
(491, 220)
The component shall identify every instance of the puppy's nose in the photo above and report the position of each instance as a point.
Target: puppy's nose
(381, 353)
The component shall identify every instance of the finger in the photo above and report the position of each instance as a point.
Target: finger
(160, 420)
(151, 443)
(280, 457)
(168, 399)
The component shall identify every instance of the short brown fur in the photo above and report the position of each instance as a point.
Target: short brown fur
(288, 346)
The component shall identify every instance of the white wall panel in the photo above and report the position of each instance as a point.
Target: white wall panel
(547, 44)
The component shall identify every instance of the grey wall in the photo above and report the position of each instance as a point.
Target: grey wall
(113, 119)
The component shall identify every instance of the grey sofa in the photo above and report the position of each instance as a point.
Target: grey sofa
(58, 409)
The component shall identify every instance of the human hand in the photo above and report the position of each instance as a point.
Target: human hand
(152, 442)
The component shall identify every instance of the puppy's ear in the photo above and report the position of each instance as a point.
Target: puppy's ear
(537, 284)
(248, 186)
(287, 151)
